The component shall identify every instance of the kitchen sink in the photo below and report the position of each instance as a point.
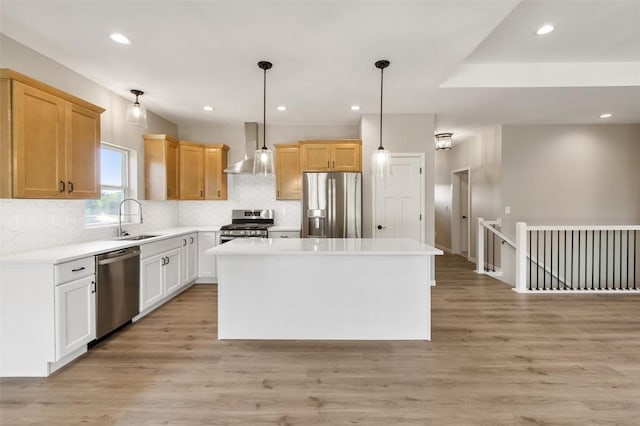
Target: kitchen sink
(138, 237)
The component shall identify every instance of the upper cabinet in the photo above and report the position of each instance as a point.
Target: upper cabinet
(215, 179)
(287, 169)
(331, 155)
(49, 141)
(161, 166)
(191, 171)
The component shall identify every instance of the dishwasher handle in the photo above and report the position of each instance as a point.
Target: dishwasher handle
(118, 258)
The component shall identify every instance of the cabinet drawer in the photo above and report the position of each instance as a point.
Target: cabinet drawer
(74, 270)
(151, 249)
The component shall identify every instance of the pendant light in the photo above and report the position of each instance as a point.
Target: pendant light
(136, 113)
(381, 158)
(443, 141)
(263, 159)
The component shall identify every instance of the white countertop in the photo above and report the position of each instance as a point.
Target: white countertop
(324, 246)
(69, 252)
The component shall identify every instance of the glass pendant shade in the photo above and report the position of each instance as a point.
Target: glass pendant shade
(263, 162)
(137, 115)
(381, 163)
(443, 141)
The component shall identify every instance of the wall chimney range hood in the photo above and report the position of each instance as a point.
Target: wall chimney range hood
(245, 167)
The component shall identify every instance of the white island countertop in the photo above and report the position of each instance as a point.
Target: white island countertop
(325, 246)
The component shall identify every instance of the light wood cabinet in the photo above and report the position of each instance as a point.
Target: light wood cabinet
(331, 155)
(191, 171)
(215, 179)
(288, 174)
(161, 167)
(49, 142)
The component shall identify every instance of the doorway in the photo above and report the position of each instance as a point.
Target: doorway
(460, 211)
(398, 200)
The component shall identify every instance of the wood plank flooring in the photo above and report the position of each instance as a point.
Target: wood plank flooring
(496, 358)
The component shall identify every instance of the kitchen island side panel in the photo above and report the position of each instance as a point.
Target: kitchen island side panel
(354, 297)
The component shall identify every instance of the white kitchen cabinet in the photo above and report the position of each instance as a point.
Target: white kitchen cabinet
(151, 281)
(189, 258)
(159, 276)
(75, 311)
(47, 315)
(207, 262)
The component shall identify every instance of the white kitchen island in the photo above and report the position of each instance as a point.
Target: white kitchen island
(293, 288)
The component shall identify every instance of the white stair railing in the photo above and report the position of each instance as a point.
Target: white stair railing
(487, 231)
(577, 258)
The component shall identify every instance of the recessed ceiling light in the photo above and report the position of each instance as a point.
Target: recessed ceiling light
(355, 107)
(282, 108)
(606, 115)
(545, 29)
(120, 38)
(208, 108)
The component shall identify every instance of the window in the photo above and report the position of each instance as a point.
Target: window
(114, 176)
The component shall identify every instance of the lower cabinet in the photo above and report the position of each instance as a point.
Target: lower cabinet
(159, 276)
(284, 234)
(75, 315)
(189, 258)
(207, 262)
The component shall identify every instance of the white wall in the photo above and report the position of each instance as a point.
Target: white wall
(402, 133)
(571, 174)
(32, 224)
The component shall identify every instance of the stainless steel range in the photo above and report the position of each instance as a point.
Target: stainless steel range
(247, 224)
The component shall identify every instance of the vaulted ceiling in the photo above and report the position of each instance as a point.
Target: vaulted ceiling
(470, 62)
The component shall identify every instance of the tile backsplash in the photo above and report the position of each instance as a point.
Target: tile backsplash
(35, 224)
(245, 192)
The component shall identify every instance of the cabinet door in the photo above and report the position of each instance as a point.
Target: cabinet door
(192, 258)
(316, 157)
(172, 271)
(191, 173)
(346, 157)
(75, 318)
(184, 258)
(83, 153)
(288, 174)
(172, 168)
(151, 280)
(207, 262)
(39, 143)
(213, 175)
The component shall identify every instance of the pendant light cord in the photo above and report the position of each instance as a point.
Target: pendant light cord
(264, 111)
(381, 86)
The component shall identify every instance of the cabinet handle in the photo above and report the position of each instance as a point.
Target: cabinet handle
(334, 164)
(164, 260)
(191, 239)
(61, 186)
(184, 242)
(78, 269)
(218, 192)
(278, 193)
(168, 192)
(70, 187)
(201, 194)
(328, 165)
(168, 260)
(93, 286)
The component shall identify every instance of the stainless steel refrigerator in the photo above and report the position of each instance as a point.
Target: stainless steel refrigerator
(332, 205)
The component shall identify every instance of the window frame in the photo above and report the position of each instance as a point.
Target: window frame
(125, 188)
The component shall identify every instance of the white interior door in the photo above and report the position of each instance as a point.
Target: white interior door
(398, 201)
(460, 211)
(464, 212)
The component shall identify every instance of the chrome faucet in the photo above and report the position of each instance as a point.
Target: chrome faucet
(120, 232)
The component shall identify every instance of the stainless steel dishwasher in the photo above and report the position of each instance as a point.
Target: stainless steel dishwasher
(117, 289)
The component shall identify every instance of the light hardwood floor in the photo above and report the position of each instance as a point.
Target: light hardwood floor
(496, 358)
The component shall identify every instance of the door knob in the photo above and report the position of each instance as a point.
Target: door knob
(464, 217)
(381, 227)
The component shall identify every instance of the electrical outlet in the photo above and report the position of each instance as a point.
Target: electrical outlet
(507, 210)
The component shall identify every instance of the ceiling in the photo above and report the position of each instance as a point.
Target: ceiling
(471, 62)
